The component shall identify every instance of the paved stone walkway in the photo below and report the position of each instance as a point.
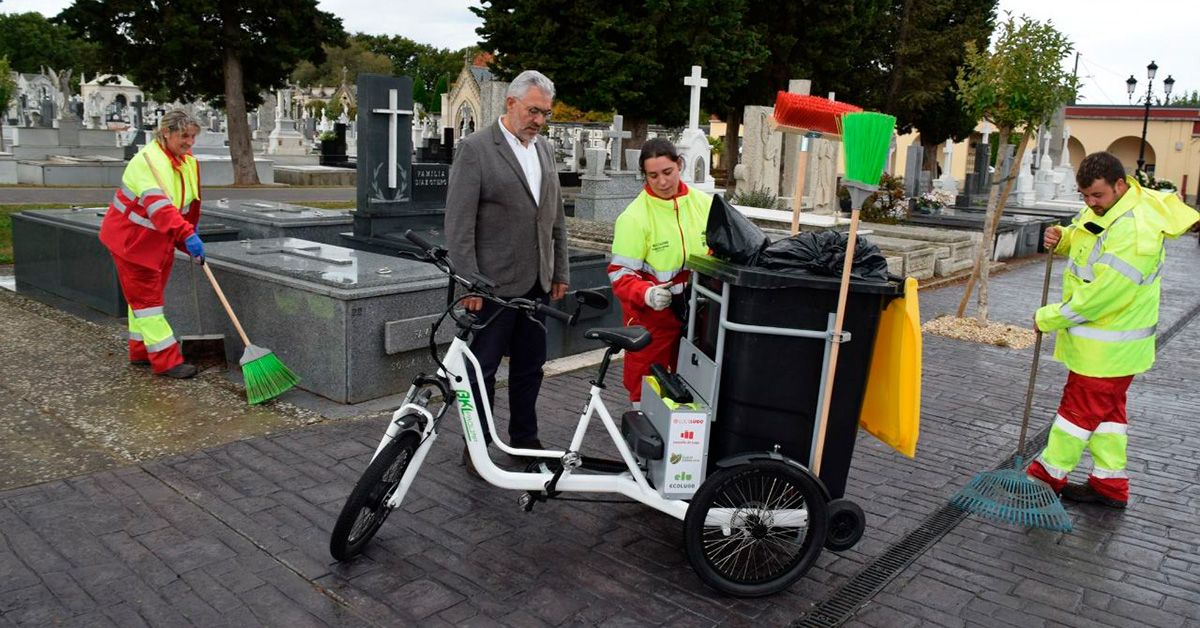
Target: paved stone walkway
(237, 534)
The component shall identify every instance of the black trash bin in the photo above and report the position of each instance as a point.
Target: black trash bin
(770, 384)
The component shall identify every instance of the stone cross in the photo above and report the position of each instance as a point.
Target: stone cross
(138, 117)
(696, 83)
(617, 133)
(948, 151)
(394, 111)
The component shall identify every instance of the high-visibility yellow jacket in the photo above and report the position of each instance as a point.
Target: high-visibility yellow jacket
(1107, 320)
(145, 223)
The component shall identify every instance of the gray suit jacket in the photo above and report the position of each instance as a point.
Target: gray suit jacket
(493, 226)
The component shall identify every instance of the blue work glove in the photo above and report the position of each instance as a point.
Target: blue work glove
(195, 247)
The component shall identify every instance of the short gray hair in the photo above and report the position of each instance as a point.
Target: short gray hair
(530, 78)
(175, 120)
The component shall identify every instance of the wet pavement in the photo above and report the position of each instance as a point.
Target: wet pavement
(155, 517)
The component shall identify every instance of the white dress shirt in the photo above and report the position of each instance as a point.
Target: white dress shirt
(528, 158)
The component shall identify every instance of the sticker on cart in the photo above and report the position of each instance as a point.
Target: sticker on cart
(685, 452)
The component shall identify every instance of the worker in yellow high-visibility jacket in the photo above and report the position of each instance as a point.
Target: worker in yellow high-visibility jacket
(1105, 325)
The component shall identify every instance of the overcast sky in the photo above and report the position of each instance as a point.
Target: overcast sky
(1114, 38)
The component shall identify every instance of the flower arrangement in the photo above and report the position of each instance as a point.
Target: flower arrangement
(934, 200)
(1148, 181)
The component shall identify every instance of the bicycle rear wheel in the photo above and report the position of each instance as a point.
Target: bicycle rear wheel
(755, 528)
(367, 508)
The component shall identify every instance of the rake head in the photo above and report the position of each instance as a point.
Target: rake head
(1010, 496)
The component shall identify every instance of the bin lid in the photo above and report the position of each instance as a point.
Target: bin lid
(752, 277)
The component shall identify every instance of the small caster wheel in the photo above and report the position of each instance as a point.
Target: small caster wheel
(846, 525)
(525, 501)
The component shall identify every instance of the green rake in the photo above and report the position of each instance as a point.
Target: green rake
(1010, 495)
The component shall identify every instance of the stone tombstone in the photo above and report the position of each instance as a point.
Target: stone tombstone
(980, 179)
(693, 143)
(761, 151)
(46, 111)
(791, 147)
(617, 134)
(1067, 188)
(822, 186)
(1026, 195)
(947, 181)
(390, 199)
(914, 162)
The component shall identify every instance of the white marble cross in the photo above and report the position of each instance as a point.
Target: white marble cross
(617, 133)
(696, 83)
(393, 111)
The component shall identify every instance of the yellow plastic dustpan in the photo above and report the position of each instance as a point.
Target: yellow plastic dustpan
(891, 409)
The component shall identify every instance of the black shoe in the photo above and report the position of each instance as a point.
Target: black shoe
(466, 460)
(1085, 494)
(180, 371)
(139, 362)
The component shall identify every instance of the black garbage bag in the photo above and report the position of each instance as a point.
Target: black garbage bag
(731, 236)
(824, 253)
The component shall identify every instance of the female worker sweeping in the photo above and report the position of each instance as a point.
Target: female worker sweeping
(144, 226)
(651, 241)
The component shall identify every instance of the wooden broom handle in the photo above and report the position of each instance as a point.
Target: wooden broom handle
(843, 291)
(207, 271)
(221, 295)
(798, 193)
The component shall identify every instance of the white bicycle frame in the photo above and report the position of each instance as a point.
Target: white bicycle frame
(630, 483)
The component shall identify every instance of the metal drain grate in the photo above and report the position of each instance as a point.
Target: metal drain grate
(846, 601)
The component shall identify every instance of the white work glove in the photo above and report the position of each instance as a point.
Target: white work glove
(659, 297)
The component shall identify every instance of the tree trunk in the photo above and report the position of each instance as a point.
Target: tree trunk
(2, 131)
(637, 128)
(931, 163)
(997, 198)
(238, 126)
(729, 159)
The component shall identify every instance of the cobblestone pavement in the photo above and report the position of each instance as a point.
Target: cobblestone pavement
(237, 534)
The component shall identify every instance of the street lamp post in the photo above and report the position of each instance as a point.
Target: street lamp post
(1131, 86)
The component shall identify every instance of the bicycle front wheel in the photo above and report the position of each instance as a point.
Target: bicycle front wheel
(755, 528)
(367, 507)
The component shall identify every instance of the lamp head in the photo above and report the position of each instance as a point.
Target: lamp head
(1151, 69)
(1168, 84)
(1130, 85)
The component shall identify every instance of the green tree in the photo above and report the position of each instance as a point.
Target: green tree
(348, 61)
(624, 55)
(1185, 99)
(199, 49)
(8, 89)
(929, 46)
(839, 46)
(1016, 86)
(31, 42)
(425, 64)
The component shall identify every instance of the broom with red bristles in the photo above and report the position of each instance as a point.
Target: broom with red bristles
(810, 117)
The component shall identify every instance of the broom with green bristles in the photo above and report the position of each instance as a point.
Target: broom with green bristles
(866, 137)
(265, 376)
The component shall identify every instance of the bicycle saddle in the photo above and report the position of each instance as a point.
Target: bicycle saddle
(626, 338)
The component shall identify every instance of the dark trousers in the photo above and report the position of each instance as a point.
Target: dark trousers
(524, 342)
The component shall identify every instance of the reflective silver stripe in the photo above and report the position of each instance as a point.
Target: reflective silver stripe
(148, 312)
(119, 204)
(140, 220)
(617, 274)
(1109, 474)
(1072, 315)
(1055, 472)
(157, 205)
(1084, 273)
(1070, 428)
(133, 335)
(1110, 427)
(662, 275)
(1127, 270)
(152, 192)
(1112, 336)
(159, 346)
(628, 262)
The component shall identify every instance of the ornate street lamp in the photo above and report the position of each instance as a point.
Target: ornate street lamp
(1131, 85)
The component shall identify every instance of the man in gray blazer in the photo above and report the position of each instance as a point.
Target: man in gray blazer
(504, 220)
